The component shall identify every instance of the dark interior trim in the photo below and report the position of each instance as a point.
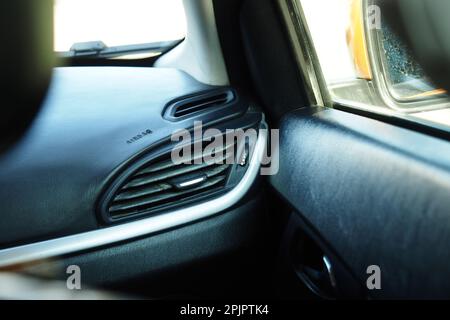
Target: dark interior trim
(403, 121)
(376, 192)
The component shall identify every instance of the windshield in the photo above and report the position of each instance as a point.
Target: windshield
(117, 22)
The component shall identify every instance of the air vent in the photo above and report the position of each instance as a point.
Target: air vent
(163, 184)
(199, 103)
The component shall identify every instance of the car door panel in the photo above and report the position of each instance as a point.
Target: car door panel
(376, 193)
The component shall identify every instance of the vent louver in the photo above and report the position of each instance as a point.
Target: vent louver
(163, 184)
(199, 103)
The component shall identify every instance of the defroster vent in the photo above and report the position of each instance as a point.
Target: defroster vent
(199, 103)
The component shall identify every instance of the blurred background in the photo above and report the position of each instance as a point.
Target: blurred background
(117, 22)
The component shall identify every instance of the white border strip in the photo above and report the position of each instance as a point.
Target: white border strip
(89, 240)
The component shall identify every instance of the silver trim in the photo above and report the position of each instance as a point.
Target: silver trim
(305, 52)
(192, 182)
(330, 271)
(66, 245)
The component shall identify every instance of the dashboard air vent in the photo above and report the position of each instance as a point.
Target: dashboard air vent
(163, 184)
(202, 102)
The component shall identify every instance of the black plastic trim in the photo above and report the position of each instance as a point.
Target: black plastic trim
(174, 108)
(403, 121)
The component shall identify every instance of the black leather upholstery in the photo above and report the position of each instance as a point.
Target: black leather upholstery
(377, 193)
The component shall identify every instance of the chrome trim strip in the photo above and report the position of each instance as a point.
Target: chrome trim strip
(89, 240)
(192, 182)
(329, 268)
(305, 52)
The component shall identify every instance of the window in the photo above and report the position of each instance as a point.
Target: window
(366, 66)
(117, 22)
